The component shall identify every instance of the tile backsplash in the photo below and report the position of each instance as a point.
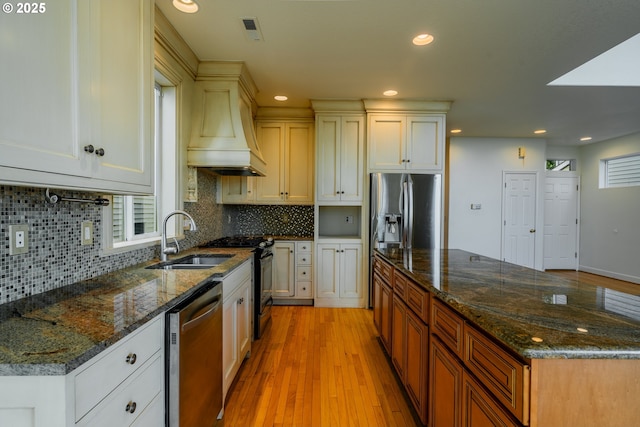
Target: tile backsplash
(56, 257)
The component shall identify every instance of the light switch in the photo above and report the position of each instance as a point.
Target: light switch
(87, 233)
(476, 206)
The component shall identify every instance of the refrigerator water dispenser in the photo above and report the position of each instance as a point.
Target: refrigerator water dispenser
(392, 226)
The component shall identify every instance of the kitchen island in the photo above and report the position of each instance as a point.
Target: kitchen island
(513, 345)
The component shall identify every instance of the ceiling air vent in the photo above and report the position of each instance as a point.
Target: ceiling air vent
(252, 28)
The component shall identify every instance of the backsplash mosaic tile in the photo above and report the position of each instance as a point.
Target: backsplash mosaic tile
(56, 258)
(279, 220)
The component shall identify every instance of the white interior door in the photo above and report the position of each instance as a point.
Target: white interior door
(561, 223)
(519, 218)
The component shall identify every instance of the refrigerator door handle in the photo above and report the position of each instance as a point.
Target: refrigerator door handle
(409, 214)
(405, 213)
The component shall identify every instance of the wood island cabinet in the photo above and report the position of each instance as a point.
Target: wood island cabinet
(382, 305)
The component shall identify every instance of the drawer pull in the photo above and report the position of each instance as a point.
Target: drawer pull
(131, 407)
(131, 358)
(100, 152)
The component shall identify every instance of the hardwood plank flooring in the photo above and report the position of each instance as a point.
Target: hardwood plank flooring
(317, 367)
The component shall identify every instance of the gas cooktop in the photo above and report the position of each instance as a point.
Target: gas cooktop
(239, 242)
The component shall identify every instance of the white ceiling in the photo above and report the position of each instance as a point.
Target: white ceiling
(492, 58)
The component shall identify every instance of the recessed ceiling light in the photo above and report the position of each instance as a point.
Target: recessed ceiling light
(456, 130)
(585, 138)
(539, 131)
(390, 92)
(422, 39)
(280, 98)
(186, 6)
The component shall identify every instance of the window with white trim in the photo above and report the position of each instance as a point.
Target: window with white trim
(136, 220)
(623, 171)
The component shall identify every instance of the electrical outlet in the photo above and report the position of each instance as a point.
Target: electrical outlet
(349, 219)
(18, 239)
(87, 233)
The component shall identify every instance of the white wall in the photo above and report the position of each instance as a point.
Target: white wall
(476, 167)
(610, 218)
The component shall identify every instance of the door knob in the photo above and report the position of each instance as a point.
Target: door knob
(533, 230)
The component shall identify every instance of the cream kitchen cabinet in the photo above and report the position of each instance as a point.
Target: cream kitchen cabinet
(236, 322)
(288, 150)
(403, 142)
(339, 274)
(283, 270)
(237, 190)
(293, 272)
(120, 386)
(81, 94)
(340, 158)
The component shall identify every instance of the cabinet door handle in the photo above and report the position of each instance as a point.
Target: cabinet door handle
(100, 152)
(131, 407)
(291, 251)
(304, 273)
(89, 148)
(131, 358)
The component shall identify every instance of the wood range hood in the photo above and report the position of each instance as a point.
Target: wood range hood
(223, 136)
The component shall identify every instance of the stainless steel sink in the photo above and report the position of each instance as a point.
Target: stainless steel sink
(193, 262)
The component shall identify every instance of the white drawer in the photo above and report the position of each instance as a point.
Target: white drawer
(304, 290)
(237, 277)
(303, 258)
(106, 371)
(127, 403)
(303, 246)
(303, 273)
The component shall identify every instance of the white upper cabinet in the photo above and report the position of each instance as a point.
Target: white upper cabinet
(406, 136)
(80, 96)
(401, 142)
(340, 158)
(288, 149)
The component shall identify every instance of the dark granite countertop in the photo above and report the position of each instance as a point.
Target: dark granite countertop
(538, 315)
(55, 332)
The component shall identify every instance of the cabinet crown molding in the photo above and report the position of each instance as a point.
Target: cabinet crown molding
(284, 113)
(337, 106)
(406, 106)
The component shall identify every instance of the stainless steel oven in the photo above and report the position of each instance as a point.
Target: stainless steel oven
(263, 300)
(262, 275)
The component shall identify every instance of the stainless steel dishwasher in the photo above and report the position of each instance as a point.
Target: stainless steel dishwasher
(194, 359)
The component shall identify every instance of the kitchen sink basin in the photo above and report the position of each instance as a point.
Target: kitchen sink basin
(193, 262)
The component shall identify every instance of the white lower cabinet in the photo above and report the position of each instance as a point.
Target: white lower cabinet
(293, 272)
(122, 386)
(236, 322)
(339, 274)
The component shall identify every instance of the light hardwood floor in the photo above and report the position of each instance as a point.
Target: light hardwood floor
(317, 367)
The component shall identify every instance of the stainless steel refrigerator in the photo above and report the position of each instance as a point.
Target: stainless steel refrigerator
(405, 212)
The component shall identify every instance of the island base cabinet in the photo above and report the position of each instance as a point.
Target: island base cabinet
(33, 401)
(383, 297)
(445, 379)
(480, 410)
(585, 392)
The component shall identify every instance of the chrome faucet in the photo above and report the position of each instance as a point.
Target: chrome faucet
(164, 250)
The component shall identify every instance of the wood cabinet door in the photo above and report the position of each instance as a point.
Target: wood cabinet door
(382, 298)
(417, 366)
(237, 189)
(351, 166)
(283, 269)
(445, 387)
(387, 135)
(425, 143)
(350, 271)
(479, 409)
(398, 336)
(328, 158)
(328, 270)
(270, 188)
(298, 162)
(244, 320)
